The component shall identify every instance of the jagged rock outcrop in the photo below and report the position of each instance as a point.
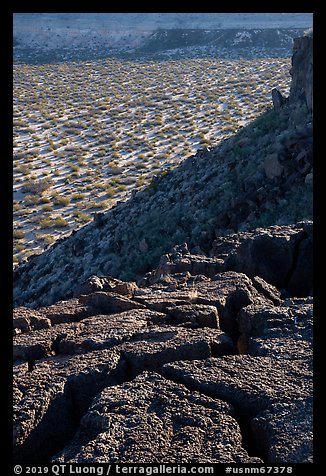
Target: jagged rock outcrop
(302, 71)
(196, 368)
(279, 255)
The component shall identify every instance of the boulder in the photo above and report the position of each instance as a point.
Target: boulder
(256, 319)
(272, 166)
(268, 290)
(284, 432)
(107, 303)
(301, 89)
(251, 384)
(228, 292)
(159, 299)
(26, 320)
(43, 342)
(301, 279)
(268, 254)
(199, 315)
(66, 311)
(182, 262)
(105, 331)
(287, 332)
(106, 284)
(278, 99)
(152, 348)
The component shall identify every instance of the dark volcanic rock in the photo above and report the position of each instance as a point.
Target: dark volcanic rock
(25, 320)
(266, 392)
(66, 311)
(159, 299)
(105, 331)
(285, 332)
(197, 314)
(301, 280)
(48, 400)
(284, 432)
(269, 291)
(276, 254)
(249, 383)
(106, 284)
(42, 343)
(256, 319)
(106, 303)
(302, 71)
(151, 349)
(51, 383)
(181, 261)
(153, 420)
(277, 98)
(228, 292)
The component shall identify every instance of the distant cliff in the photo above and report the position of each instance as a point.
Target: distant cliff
(42, 37)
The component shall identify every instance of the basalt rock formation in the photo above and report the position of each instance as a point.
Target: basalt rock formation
(207, 357)
(200, 363)
(302, 71)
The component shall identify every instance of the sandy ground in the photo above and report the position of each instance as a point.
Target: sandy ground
(101, 129)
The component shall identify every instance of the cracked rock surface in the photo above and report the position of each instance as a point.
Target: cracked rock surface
(155, 420)
(207, 368)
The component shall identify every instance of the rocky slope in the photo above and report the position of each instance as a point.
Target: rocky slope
(208, 358)
(260, 176)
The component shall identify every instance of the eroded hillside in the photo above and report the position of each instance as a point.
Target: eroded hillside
(260, 176)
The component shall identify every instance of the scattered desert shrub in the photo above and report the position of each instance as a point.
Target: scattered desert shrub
(18, 247)
(31, 199)
(78, 196)
(23, 169)
(60, 201)
(48, 239)
(82, 217)
(58, 222)
(18, 234)
(38, 186)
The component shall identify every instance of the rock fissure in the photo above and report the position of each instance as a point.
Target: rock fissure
(248, 441)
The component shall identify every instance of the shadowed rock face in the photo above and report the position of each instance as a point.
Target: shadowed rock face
(190, 368)
(302, 71)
